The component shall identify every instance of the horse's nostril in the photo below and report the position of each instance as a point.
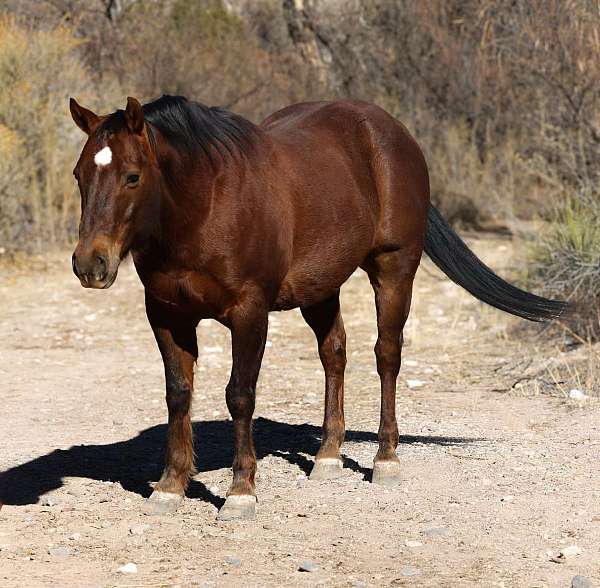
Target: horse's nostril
(101, 267)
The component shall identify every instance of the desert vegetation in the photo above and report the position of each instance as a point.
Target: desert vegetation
(503, 97)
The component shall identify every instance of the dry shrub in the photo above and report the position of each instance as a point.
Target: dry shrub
(12, 185)
(512, 88)
(565, 156)
(470, 192)
(38, 72)
(200, 49)
(186, 60)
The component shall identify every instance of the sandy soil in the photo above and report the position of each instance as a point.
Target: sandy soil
(495, 476)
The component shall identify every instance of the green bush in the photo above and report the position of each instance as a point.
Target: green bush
(566, 263)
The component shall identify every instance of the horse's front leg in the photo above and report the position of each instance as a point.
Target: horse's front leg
(248, 336)
(177, 343)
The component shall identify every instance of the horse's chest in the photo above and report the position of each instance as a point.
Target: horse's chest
(189, 292)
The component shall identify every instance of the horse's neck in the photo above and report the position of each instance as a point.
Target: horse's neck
(192, 190)
(186, 189)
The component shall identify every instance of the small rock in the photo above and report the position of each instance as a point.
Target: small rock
(508, 498)
(566, 553)
(75, 537)
(234, 561)
(412, 384)
(138, 529)
(358, 584)
(576, 394)
(570, 551)
(308, 566)
(60, 551)
(410, 543)
(48, 501)
(580, 582)
(128, 568)
(436, 532)
(409, 571)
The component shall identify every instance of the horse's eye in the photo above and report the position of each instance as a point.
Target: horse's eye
(133, 179)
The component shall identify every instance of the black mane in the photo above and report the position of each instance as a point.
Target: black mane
(190, 126)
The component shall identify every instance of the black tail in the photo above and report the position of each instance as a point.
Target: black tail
(448, 251)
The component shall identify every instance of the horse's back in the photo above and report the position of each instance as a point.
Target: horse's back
(357, 139)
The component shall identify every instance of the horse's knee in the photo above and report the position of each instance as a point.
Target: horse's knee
(333, 356)
(388, 352)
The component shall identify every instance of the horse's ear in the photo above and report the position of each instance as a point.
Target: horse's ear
(85, 119)
(134, 115)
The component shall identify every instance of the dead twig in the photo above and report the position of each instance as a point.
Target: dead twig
(465, 456)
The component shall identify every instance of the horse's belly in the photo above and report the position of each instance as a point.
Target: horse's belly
(324, 260)
(307, 284)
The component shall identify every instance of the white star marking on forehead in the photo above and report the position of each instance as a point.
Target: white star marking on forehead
(103, 157)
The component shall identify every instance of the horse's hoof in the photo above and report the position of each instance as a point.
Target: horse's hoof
(326, 468)
(386, 473)
(238, 508)
(163, 502)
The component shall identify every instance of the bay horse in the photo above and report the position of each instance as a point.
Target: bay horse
(230, 220)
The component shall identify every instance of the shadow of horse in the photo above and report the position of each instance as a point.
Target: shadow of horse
(133, 462)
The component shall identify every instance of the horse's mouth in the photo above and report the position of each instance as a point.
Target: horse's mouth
(99, 284)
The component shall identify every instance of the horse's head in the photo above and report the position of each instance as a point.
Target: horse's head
(118, 180)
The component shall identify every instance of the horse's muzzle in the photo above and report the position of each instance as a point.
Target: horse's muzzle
(94, 270)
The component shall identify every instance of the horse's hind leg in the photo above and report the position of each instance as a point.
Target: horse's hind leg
(391, 275)
(325, 319)
(178, 347)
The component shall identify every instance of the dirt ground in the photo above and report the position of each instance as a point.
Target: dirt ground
(497, 477)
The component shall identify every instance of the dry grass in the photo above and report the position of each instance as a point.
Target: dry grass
(572, 371)
(38, 146)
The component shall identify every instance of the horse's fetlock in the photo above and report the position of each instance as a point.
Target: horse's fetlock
(178, 397)
(240, 400)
